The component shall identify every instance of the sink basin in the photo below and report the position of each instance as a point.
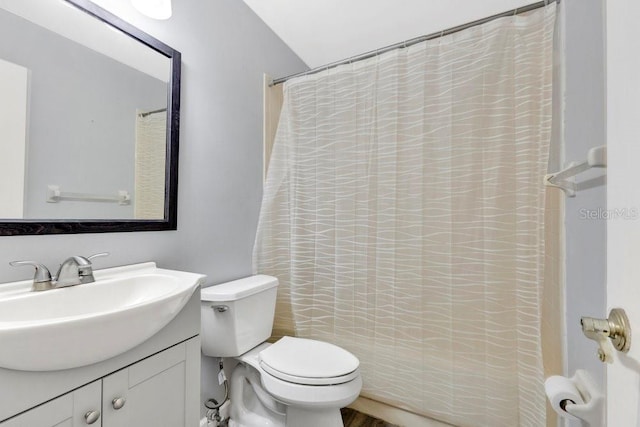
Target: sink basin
(80, 325)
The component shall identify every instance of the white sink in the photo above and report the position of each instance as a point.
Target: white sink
(80, 325)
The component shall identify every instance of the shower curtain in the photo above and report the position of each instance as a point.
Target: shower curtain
(151, 149)
(403, 213)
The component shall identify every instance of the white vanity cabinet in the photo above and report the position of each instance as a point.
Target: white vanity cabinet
(74, 409)
(151, 392)
(157, 382)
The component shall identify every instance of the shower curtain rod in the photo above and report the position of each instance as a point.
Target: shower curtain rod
(148, 113)
(407, 43)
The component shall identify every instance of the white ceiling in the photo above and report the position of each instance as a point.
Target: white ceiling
(325, 31)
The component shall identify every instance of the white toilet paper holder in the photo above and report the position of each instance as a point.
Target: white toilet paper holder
(592, 411)
(582, 398)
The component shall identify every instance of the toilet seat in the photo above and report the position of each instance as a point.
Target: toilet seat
(302, 395)
(309, 362)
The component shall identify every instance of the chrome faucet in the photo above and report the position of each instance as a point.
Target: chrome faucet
(75, 270)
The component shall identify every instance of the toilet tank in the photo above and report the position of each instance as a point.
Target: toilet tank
(237, 316)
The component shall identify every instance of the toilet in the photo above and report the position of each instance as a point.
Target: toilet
(294, 382)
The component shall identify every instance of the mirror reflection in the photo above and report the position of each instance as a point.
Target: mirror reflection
(83, 128)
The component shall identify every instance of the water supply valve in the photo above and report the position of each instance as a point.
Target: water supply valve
(614, 330)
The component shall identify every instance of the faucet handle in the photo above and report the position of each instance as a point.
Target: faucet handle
(85, 268)
(42, 276)
(101, 254)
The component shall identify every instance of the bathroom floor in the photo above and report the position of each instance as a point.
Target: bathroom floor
(353, 418)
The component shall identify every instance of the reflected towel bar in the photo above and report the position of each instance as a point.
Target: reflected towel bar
(596, 158)
(55, 195)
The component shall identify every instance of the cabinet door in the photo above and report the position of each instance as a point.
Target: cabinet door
(152, 392)
(69, 410)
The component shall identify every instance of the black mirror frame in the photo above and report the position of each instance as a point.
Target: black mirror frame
(65, 226)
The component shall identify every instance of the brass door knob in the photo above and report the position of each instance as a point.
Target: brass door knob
(615, 328)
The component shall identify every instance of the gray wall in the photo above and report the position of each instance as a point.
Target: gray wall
(225, 50)
(584, 128)
(82, 119)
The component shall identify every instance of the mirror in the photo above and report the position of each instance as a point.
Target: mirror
(89, 118)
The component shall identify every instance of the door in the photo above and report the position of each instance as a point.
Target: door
(14, 95)
(78, 408)
(623, 202)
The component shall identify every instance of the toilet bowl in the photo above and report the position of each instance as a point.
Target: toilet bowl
(294, 382)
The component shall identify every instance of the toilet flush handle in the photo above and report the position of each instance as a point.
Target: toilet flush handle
(220, 308)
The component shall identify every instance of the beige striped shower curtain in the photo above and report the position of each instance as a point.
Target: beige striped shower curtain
(403, 213)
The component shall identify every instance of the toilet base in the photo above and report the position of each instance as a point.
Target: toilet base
(296, 418)
(250, 405)
(299, 417)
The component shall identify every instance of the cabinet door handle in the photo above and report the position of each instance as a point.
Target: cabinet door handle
(118, 402)
(92, 416)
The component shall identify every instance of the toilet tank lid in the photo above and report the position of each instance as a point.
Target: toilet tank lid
(237, 289)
